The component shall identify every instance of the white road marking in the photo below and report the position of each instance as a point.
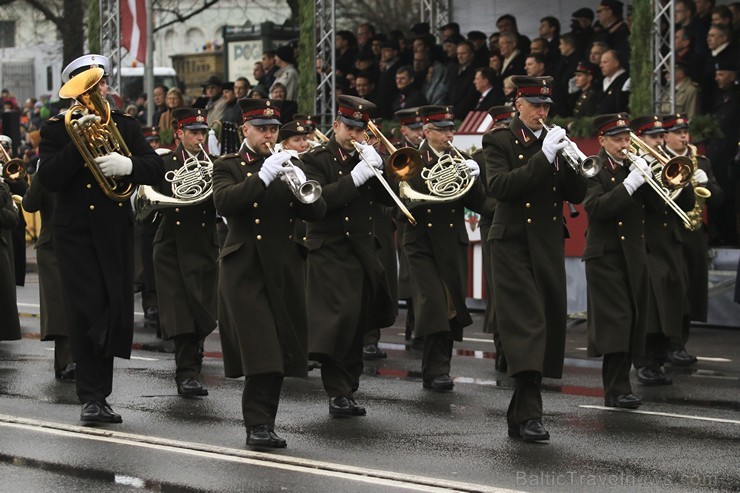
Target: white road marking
(141, 358)
(36, 305)
(716, 360)
(667, 415)
(263, 459)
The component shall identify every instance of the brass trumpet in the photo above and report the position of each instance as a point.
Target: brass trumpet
(12, 166)
(587, 166)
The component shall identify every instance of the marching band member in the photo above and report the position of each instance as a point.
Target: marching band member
(93, 237)
(437, 252)
(186, 260)
(53, 317)
(347, 287)
(677, 143)
(527, 235)
(616, 259)
(10, 327)
(18, 185)
(262, 295)
(667, 294)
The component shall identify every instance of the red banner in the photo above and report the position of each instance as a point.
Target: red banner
(133, 28)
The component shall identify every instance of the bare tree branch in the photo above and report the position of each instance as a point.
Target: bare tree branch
(182, 18)
(43, 7)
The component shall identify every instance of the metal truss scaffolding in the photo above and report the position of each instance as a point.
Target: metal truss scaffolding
(435, 12)
(110, 39)
(325, 106)
(664, 61)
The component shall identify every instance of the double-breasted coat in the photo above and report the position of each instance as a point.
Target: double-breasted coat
(10, 328)
(53, 317)
(186, 262)
(437, 252)
(262, 296)
(616, 260)
(527, 238)
(94, 237)
(346, 282)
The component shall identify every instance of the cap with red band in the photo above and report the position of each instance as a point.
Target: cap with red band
(190, 118)
(535, 90)
(260, 111)
(502, 114)
(409, 117)
(439, 116)
(647, 125)
(354, 111)
(612, 124)
(673, 123)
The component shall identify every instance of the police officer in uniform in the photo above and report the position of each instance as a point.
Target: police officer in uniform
(668, 302)
(262, 298)
(616, 258)
(695, 257)
(93, 238)
(185, 259)
(501, 117)
(437, 251)
(530, 181)
(348, 292)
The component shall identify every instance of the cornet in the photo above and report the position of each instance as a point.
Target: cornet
(307, 191)
(587, 166)
(12, 166)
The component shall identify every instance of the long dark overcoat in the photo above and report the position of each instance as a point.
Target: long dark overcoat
(346, 279)
(10, 328)
(527, 238)
(262, 295)
(94, 236)
(437, 252)
(186, 262)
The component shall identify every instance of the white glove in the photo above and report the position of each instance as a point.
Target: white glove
(553, 142)
(370, 155)
(633, 181)
(639, 162)
(87, 120)
(700, 177)
(272, 166)
(473, 167)
(115, 164)
(361, 173)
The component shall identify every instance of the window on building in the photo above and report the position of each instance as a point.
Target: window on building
(7, 34)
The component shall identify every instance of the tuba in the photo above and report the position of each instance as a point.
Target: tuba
(192, 183)
(12, 166)
(701, 194)
(446, 181)
(99, 138)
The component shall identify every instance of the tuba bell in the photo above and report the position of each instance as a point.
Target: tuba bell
(99, 138)
(192, 183)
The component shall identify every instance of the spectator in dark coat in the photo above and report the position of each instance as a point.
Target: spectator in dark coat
(615, 86)
(387, 91)
(409, 96)
(612, 29)
(461, 95)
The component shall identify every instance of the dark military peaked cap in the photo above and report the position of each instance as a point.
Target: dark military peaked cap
(410, 117)
(535, 90)
(647, 125)
(612, 124)
(306, 120)
(260, 111)
(190, 118)
(439, 116)
(293, 128)
(502, 114)
(354, 111)
(587, 68)
(726, 65)
(672, 123)
(150, 133)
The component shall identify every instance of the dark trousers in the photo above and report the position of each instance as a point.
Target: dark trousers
(615, 372)
(187, 357)
(656, 351)
(18, 236)
(149, 295)
(94, 378)
(62, 353)
(372, 337)
(680, 343)
(260, 399)
(526, 401)
(437, 354)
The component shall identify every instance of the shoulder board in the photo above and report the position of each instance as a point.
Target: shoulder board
(498, 129)
(318, 149)
(116, 111)
(57, 118)
(231, 155)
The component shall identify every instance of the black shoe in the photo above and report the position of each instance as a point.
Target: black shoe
(500, 362)
(648, 376)
(625, 401)
(99, 412)
(372, 351)
(263, 436)
(344, 406)
(680, 357)
(191, 387)
(67, 373)
(533, 431)
(441, 383)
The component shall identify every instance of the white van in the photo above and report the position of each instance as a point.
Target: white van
(132, 81)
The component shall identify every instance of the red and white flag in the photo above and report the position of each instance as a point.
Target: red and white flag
(133, 28)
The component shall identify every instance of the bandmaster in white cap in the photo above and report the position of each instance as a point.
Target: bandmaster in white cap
(83, 63)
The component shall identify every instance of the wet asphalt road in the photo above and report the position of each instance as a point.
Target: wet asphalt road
(685, 437)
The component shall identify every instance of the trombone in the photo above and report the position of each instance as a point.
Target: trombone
(403, 164)
(307, 191)
(12, 166)
(675, 174)
(587, 166)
